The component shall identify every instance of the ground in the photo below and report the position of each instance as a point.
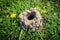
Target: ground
(9, 22)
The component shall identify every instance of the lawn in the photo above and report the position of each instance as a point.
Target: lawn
(10, 28)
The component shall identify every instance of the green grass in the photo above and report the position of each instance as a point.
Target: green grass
(11, 30)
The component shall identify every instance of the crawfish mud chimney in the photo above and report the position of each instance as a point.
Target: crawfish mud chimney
(31, 19)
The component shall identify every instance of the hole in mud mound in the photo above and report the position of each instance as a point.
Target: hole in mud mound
(31, 16)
